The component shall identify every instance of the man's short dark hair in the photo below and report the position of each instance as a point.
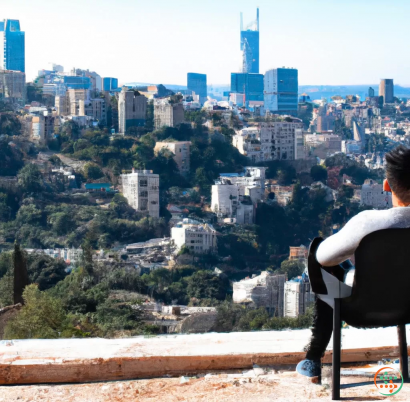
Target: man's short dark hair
(398, 172)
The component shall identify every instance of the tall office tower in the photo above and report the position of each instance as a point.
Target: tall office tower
(386, 89)
(371, 92)
(109, 83)
(132, 109)
(250, 45)
(250, 85)
(141, 189)
(12, 46)
(197, 83)
(281, 91)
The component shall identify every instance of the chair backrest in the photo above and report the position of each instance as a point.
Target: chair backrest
(381, 291)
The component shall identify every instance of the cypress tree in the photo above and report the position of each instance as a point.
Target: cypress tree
(20, 274)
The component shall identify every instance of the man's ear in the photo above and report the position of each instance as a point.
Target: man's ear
(386, 186)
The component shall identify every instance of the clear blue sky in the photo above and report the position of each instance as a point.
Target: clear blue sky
(330, 41)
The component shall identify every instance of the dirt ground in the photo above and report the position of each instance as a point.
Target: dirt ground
(265, 385)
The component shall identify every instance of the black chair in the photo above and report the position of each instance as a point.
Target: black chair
(380, 295)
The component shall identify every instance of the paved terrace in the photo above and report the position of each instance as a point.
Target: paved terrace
(198, 367)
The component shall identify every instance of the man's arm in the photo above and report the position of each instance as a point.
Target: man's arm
(342, 245)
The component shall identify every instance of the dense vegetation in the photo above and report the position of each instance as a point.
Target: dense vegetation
(39, 211)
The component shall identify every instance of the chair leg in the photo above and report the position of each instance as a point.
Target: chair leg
(337, 334)
(404, 361)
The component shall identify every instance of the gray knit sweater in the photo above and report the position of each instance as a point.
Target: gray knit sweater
(342, 245)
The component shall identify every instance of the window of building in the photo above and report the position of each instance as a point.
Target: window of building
(143, 182)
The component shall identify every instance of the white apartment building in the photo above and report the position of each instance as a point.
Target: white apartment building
(251, 181)
(181, 151)
(279, 139)
(323, 145)
(141, 189)
(62, 104)
(265, 290)
(372, 194)
(236, 195)
(247, 141)
(276, 140)
(74, 97)
(167, 114)
(69, 255)
(196, 236)
(297, 296)
(228, 202)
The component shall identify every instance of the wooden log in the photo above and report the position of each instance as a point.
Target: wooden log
(128, 368)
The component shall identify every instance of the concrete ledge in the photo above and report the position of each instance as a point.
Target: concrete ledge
(87, 360)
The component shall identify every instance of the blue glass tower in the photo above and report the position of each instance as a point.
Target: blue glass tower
(12, 46)
(250, 45)
(197, 83)
(249, 84)
(75, 82)
(109, 83)
(281, 91)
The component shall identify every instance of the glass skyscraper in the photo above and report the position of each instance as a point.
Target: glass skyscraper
(250, 46)
(197, 83)
(281, 91)
(12, 46)
(75, 82)
(109, 83)
(249, 84)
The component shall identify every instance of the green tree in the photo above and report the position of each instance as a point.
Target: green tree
(30, 179)
(30, 214)
(318, 173)
(115, 315)
(305, 113)
(11, 158)
(6, 288)
(149, 120)
(202, 180)
(21, 279)
(71, 130)
(292, 268)
(46, 271)
(5, 210)
(286, 175)
(6, 261)
(87, 256)
(228, 316)
(206, 285)
(62, 222)
(253, 320)
(92, 171)
(42, 316)
(9, 124)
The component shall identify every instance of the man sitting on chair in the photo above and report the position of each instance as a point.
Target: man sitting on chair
(333, 253)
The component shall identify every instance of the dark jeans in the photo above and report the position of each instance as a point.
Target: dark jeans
(323, 321)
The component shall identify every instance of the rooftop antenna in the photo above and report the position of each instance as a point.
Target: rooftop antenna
(241, 22)
(257, 19)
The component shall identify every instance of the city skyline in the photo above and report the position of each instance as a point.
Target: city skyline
(319, 39)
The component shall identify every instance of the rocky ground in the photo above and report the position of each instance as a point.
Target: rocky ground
(259, 384)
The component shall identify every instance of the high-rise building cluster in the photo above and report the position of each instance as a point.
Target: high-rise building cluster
(276, 91)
